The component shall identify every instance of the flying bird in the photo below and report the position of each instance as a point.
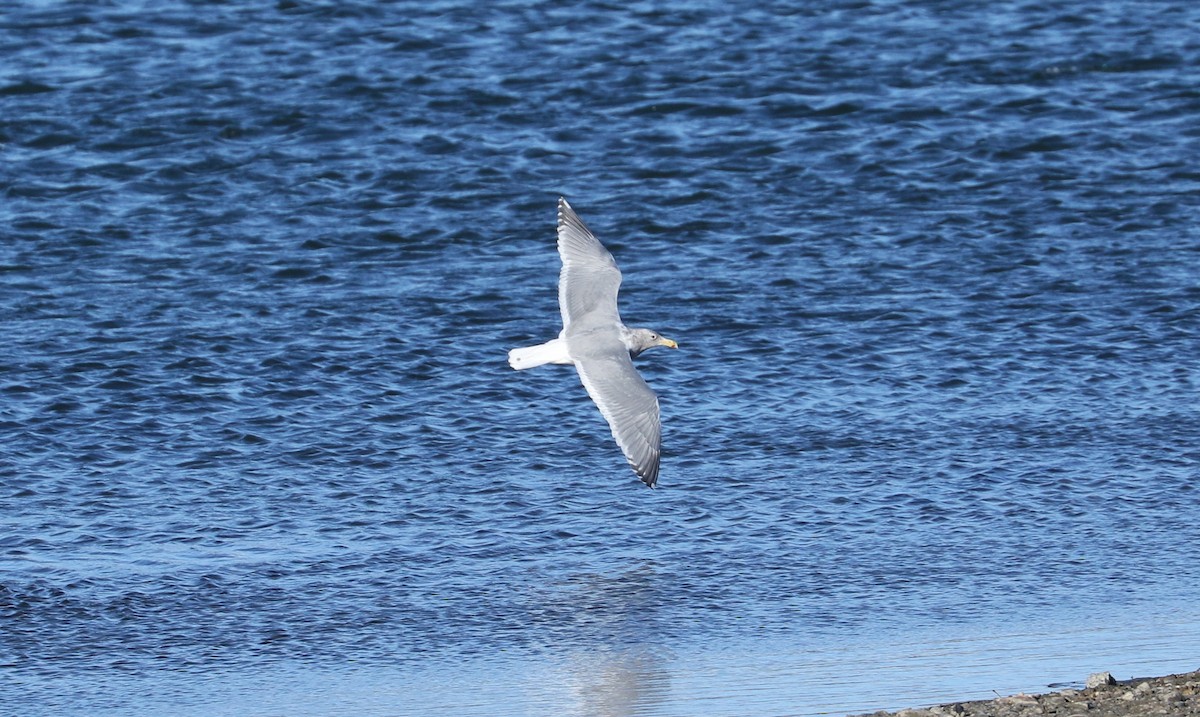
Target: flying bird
(601, 347)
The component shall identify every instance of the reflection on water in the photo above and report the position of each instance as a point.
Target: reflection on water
(619, 683)
(620, 674)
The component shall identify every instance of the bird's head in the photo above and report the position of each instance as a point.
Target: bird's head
(642, 339)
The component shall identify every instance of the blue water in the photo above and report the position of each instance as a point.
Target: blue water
(932, 431)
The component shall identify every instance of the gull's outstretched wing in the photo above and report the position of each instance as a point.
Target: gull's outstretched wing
(628, 404)
(589, 280)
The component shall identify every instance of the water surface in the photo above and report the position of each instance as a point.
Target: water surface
(931, 431)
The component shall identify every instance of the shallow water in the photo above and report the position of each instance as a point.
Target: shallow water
(934, 275)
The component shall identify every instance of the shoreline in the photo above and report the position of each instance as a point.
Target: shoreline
(1168, 696)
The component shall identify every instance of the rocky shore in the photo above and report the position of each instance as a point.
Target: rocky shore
(1171, 696)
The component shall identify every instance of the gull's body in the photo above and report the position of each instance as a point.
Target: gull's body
(600, 346)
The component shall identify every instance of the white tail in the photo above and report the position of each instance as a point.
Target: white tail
(554, 351)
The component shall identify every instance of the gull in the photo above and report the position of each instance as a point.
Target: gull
(601, 348)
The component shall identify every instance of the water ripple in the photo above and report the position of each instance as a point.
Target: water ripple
(931, 272)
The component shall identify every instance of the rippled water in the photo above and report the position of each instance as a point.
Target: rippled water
(934, 271)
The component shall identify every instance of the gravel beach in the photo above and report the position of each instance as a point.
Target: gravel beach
(1173, 696)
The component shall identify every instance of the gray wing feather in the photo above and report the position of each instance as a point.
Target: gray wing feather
(590, 279)
(629, 406)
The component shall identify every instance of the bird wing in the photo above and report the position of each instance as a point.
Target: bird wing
(590, 279)
(627, 403)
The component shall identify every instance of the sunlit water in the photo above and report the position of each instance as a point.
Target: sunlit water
(931, 433)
